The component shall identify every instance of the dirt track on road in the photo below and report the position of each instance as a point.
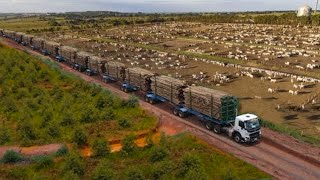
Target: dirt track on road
(277, 161)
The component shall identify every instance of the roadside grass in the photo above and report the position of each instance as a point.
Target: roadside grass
(291, 132)
(178, 157)
(41, 104)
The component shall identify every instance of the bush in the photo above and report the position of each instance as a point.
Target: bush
(102, 172)
(100, 148)
(128, 144)
(62, 151)
(43, 161)
(124, 123)
(70, 176)
(158, 154)
(135, 174)
(107, 115)
(132, 102)
(188, 163)
(79, 137)
(74, 164)
(11, 156)
(162, 168)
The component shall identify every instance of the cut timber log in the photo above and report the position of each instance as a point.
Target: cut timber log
(97, 64)
(27, 38)
(136, 77)
(167, 87)
(69, 53)
(83, 58)
(38, 43)
(115, 70)
(52, 47)
(213, 103)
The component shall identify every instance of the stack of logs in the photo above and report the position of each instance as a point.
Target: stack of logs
(115, 70)
(68, 53)
(38, 43)
(137, 77)
(83, 58)
(204, 100)
(169, 88)
(52, 47)
(97, 64)
(27, 39)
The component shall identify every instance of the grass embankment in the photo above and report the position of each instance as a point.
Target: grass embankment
(178, 157)
(291, 132)
(41, 105)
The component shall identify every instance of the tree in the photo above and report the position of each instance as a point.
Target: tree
(79, 137)
(128, 144)
(100, 148)
(188, 163)
(11, 156)
(74, 163)
(102, 172)
(158, 154)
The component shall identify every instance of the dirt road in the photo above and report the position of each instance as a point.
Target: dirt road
(275, 160)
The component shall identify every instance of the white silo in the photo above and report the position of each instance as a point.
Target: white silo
(304, 11)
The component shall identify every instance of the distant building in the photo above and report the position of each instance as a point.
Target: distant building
(304, 11)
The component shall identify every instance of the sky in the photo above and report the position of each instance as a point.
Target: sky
(9, 6)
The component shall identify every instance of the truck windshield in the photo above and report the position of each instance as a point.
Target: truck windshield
(252, 124)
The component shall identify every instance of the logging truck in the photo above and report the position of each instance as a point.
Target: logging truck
(217, 110)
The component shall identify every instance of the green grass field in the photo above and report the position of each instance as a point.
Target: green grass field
(178, 157)
(40, 105)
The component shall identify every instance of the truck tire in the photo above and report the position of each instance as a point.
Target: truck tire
(237, 138)
(175, 112)
(208, 125)
(217, 129)
(181, 114)
(146, 99)
(151, 101)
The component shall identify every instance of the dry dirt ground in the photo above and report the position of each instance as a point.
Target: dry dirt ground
(269, 156)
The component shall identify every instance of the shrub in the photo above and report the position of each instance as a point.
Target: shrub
(135, 174)
(70, 176)
(102, 172)
(62, 151)
(11, 156)
(100, 148)
(161, 169)
(26, 131)
(107, 115)
(128, 144)
(43, 161)
(124, 123)
(158, 154)
(132, 102)
(79, 137)
(74, 164)
(189, 162)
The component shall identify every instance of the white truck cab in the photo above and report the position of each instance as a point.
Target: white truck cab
(246, 128)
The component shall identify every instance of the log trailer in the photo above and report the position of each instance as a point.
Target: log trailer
(217, 110)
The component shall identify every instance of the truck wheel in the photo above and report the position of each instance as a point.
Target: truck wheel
(126, 90)
(151, 101)
(217, 128)
(182, 115)
(175, 112)
(208, 125)
(237, 138)
(146, 99)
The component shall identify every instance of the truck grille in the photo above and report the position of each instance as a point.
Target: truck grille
(255, 135)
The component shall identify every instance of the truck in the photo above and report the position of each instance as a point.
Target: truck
(218, 111)
(27, 39)
(19, 37)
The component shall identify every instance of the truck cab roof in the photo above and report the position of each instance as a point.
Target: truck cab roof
(246, 117)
